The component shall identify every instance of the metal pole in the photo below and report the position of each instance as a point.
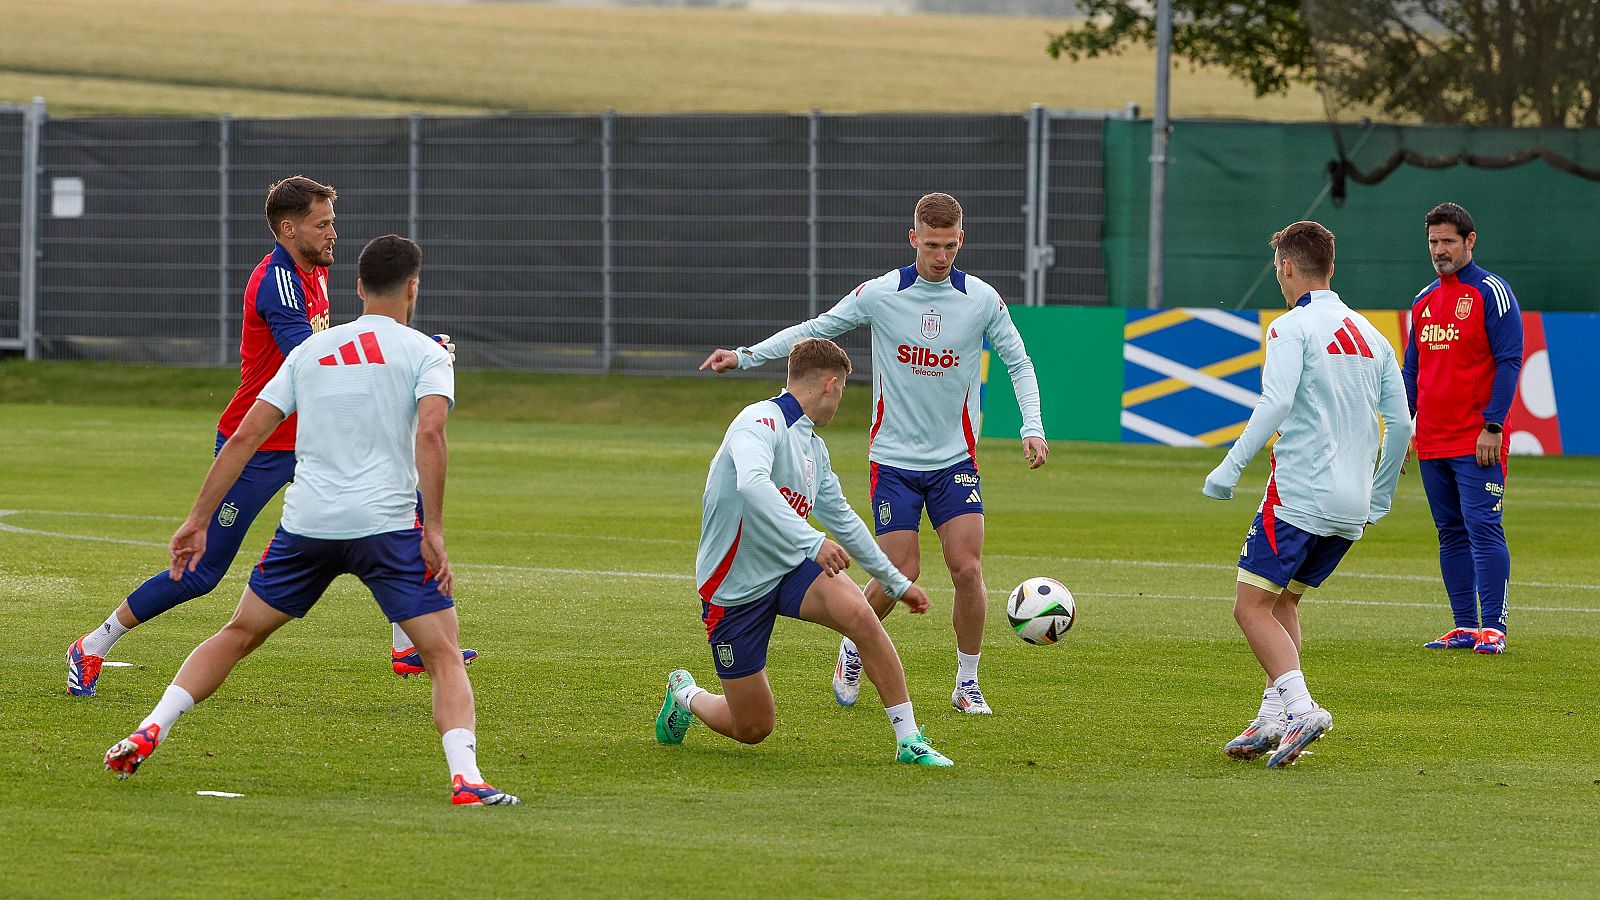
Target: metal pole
(413, 179)
(1045, 255)
(28, 264)
(1030, 203)
(224, 126)
(813, 153)
(608, 129)
(1158, 158)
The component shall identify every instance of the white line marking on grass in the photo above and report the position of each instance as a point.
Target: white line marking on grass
(1071, 560)
(1326, 601)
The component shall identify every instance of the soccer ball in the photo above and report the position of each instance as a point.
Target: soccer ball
(1041, 610)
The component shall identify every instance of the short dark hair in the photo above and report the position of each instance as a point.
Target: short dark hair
(1450, 214)
(388, 262)
(292, 197)
(817, 355)
(1310, 246)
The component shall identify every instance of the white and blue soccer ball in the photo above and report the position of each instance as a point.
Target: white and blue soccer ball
(1041, 610)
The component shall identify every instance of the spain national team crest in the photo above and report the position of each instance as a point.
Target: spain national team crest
(1463, 307)
(811, 472)
(725, 655)
(884, 515)
(930, 325)
(227, 515)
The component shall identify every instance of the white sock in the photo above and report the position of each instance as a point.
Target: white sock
(174, 703)
(849, 646)
(1271, 704)
(966, 667)
(903, 720)
(1291, 687)
(461, 752)
(687, 694)
(98, 642)
(402, 642)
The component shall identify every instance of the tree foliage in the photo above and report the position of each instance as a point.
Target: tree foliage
(1482, 62)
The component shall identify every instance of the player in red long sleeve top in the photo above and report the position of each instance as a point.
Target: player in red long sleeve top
(1462, 362)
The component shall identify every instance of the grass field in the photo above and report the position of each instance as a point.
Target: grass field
(342, 57)
(573, 534)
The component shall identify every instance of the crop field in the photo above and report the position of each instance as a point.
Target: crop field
(362, 57)
(572, 512)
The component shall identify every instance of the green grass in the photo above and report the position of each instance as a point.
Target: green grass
(1101, 774)
(343, 57)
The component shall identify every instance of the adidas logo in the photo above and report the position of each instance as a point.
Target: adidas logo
(973, 497)
(1427, 312)
(349, 356)
(1348, 341)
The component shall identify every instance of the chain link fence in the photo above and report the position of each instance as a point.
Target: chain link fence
(551, 243)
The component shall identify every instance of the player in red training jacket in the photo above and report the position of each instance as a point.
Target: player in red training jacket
(285, 302)
(1461, 368)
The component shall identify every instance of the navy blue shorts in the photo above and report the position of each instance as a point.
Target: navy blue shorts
(294, 571)
(739, 634)
(1278, 555)
(898, 495)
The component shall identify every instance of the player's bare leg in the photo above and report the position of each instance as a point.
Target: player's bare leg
(836, 602)
(961, 539)
(1256, 610)
(1266, 730)
(744, 711)
(436, 636)
(199, 677)
(904, 550)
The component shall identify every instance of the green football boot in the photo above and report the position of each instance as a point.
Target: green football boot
(675, 718)
(916, 751)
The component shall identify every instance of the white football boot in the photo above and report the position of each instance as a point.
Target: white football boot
(968, 698)
(847, 676)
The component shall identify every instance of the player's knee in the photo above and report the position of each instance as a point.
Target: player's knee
(753, 731)
(967, 573)
(859, 621)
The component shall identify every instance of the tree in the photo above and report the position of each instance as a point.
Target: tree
(1479, 62)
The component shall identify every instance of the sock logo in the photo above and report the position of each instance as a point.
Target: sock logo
(107, 627)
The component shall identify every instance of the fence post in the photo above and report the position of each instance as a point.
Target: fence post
(413, 165)
(28, 263)
(1044, 253)
(608, 129)
(1030, 204)
(224, 128)
(813, 227)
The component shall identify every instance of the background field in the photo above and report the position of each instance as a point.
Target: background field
(342, 57)
(573, 508)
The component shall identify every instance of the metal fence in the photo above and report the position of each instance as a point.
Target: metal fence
(553, 243)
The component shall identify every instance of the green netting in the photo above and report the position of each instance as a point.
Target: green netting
(1230, 185)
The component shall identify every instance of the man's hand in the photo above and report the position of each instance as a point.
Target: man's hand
(187, 546)
(832, 557)
(1217, 487)
(721, 361)
(437, 561)
(1411, 451)
(1034, 451)
(915, 599)
(444, 341)
(1489, 448)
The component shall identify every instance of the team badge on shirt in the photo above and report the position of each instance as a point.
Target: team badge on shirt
(930, 324)
(884, 513)
(1463, 307)
(725, 655)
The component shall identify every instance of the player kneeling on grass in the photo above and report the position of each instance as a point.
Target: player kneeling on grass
(1327, 379)
(759, 558)
(372, 396)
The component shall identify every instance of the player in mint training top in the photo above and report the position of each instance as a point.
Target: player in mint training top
(1329, 376)
(372, 396)
(759, 558)
(285, 302)
(1463, 359)
(928, 321)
